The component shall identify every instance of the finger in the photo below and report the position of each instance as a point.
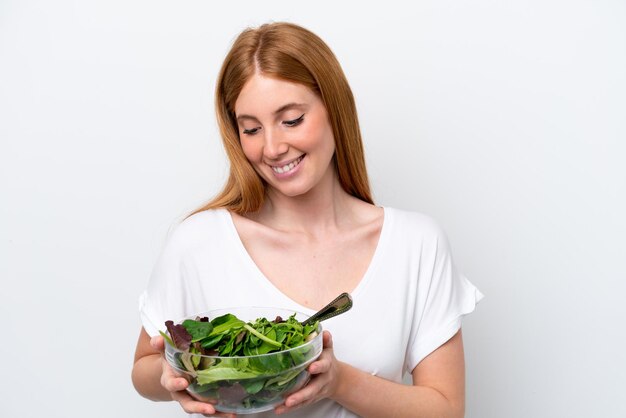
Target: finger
(327, 339)
(318, 367)
(283, 409)
(158, 343)
(305, 395)
(192, 406)
(171, 380)
(174, 384)
(321, 365)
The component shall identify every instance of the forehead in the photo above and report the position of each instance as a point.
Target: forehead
(262, 94)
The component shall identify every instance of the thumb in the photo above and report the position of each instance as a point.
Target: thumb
(158, 343)
(327, 339)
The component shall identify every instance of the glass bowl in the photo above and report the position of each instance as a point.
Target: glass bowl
(246, 384)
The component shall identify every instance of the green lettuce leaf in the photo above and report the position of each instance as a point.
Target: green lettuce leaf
(223, 373)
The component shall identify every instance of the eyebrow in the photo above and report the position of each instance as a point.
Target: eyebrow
(278, 111)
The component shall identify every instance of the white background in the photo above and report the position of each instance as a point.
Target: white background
(504, 120)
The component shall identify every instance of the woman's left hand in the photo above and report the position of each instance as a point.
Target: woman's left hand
(324, 379)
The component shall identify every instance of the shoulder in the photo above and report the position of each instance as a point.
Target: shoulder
(198, 228)
(420, 236)
(414, 223)
(204, 218)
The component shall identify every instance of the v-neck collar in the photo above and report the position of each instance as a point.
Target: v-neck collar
(259, 276)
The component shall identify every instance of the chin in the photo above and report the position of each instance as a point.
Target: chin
(293, 191)
(290, 192)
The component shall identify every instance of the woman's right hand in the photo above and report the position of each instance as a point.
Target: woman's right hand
(175, 384)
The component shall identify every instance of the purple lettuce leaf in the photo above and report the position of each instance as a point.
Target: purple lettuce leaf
(180, 336)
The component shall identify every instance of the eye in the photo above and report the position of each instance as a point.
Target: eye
(250, 131)
(294, 122)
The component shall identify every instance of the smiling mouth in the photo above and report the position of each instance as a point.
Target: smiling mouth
(288, 167)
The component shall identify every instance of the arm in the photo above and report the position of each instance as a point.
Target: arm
(147, 370)
(438, 389)
(154, 379)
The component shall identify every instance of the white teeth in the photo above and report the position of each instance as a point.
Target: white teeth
(287, 167)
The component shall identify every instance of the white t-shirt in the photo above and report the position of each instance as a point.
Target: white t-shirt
(409, 302)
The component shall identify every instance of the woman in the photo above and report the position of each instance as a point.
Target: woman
(295, 226)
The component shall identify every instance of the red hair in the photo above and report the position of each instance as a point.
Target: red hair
(289, 52)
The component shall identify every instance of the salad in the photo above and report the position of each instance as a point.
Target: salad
(242, 366)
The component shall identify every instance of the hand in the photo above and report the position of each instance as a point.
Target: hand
(176, 385)
(324, 379)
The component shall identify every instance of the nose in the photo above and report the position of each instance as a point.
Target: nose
(274, 145)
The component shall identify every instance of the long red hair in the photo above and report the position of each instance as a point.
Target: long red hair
(289, 52)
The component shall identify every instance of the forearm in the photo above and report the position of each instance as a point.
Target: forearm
(371, 396)
(146, 376)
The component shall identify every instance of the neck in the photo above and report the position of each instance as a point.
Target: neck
(320, 209)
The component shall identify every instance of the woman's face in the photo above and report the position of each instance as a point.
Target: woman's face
(285, 134)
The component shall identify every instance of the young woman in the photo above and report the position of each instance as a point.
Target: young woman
(295, 226)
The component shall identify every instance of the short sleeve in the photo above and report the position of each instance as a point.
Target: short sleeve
(444, 297)
(164, 297)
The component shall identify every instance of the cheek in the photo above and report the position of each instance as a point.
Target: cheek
(319, 136)
(250, 150)
(326, 140)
